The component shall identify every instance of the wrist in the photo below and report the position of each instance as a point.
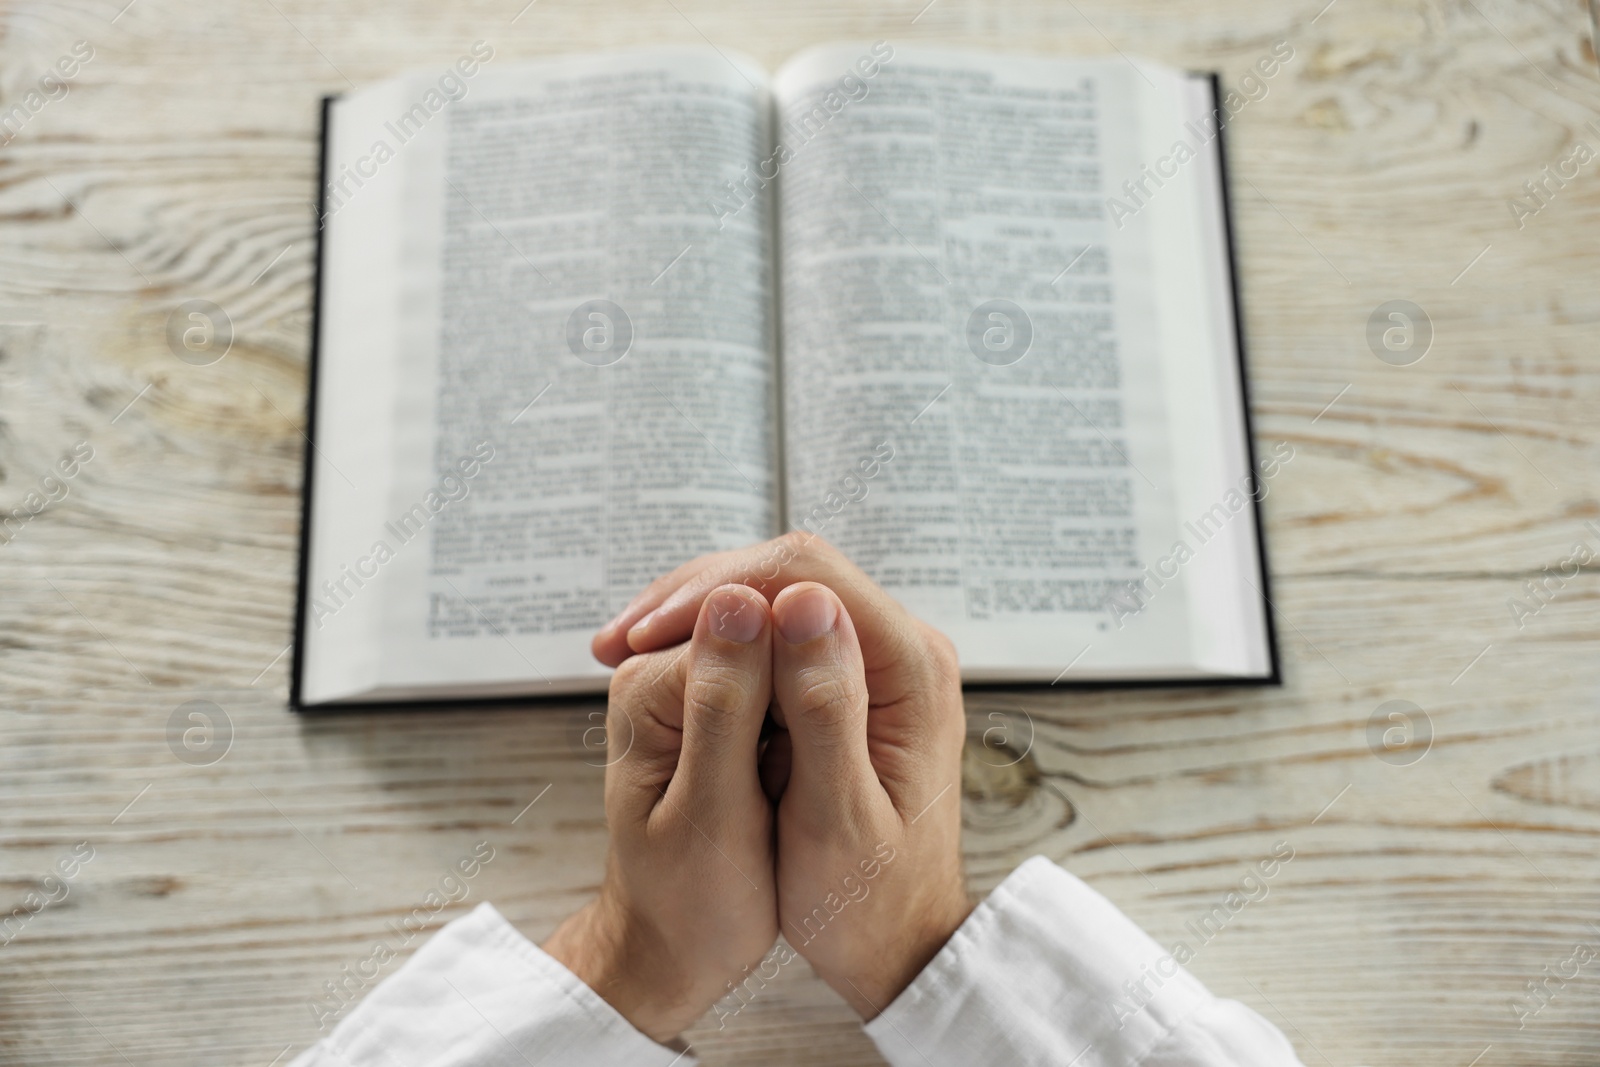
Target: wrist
(873, 988)
(615, 959)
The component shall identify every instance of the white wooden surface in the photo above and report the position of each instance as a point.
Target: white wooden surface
(1421, 898)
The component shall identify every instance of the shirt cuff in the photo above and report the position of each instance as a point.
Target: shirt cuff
(1044, 970)
(479, 994)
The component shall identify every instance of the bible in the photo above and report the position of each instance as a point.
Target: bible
(972, 318)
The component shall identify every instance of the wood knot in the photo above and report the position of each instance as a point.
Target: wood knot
(1002, 787)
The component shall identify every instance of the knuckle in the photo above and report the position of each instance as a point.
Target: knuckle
(716, 697)
(710, 720)
(630, 675)
(938, 692)
(942, 655)
(802, 544)
(794, 540)
(627, 722)
(647, 671)
(825, 700)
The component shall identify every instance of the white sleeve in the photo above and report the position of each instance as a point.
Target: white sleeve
(479, 994)
(1047, 971)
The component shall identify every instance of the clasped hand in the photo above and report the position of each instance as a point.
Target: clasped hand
(840, 829)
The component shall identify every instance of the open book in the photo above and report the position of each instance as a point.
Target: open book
(971, 318)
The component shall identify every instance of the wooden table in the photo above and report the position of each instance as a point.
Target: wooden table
(1424, 893)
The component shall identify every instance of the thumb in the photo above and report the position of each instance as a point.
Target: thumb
(820, 685)
(726, 690)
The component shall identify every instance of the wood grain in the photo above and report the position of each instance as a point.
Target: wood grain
(1420, 899)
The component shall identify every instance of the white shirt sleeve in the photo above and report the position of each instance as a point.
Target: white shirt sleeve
(479, 994)
(1047, 971)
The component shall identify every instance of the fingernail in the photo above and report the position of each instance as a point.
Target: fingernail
(733, 618)
(638, 628)
(806, 616)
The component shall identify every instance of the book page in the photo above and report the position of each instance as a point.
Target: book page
(585, 373)
(973, 381)
(1219, 487)
(350, 466)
